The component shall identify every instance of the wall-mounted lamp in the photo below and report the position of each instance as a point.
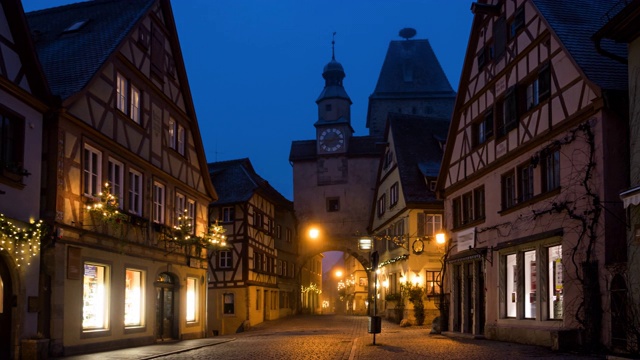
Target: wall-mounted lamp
(440, 238)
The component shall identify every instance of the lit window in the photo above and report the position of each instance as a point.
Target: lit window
(530, 284)
(158, 203)
(512, 296)
(192, 299)
(191, 214)
(431, 282)
(135, 104)
(133, 298)
(95, 297)
(555, 282)
(92, 170)
(121, 88)
(429, 224)
(180, 206)
(135, 192)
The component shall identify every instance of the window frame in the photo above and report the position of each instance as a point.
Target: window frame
(91, 171)
(228, 214)
(135, 192)
(508, 189)
(333, 203)
(115, 176)
(225, 259)
(525, 180)
(394, 192)
(550, 179)
(382, 204)
(159, 202)
(180, 206)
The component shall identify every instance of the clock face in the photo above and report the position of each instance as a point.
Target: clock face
(331, 139)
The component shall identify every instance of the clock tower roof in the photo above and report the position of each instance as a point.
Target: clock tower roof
(333, 74)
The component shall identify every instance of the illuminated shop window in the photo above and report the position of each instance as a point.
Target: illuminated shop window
(555, 282)
(530, 284)
(95, 297)
(133, 298)
(512, 277)
(192, 299)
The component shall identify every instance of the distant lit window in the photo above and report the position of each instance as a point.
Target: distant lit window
(133, 298)
(192, 299)
(95, 297)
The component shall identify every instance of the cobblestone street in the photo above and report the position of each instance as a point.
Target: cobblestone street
(346, 338)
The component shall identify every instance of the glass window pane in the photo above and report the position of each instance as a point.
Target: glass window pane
(555, 282)
(192, 299)
(530, 277)
(95, 297)
(133, 302)
(512, 297)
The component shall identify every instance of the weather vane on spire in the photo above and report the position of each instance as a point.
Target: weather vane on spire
(333, 46)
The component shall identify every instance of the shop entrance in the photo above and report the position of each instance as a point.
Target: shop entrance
(5, 310)
(166, 326)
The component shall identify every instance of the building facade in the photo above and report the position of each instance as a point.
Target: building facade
(531, 206)
(407, 214)
(254, 280)
(127, 190)
(24, 98)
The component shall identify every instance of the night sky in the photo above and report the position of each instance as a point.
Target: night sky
(255, 67)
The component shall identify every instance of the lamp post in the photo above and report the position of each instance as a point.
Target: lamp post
(440, 301)
(375, 322)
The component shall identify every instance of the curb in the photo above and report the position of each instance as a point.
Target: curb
(186, 349)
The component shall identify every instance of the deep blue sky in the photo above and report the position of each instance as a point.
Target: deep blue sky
(255, 66)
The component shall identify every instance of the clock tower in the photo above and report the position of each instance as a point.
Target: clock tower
(333, 128)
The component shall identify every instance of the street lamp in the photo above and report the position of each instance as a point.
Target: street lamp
(375, 322)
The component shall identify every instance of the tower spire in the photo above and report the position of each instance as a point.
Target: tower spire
(333, 46)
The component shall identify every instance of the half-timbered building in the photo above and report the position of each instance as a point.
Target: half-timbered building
(253, 280)
(407, 213)
(24, 99)
(534, 161)
(125, 165)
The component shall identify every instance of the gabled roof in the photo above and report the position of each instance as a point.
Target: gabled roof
(411, 68)
(575, 24)
(418, 151)
(236, 181)
(359, 146)
(15, 17)
(71, 59)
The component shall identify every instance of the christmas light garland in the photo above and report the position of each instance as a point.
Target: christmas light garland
(22, 243)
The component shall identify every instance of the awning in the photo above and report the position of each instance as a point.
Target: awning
(631, 196)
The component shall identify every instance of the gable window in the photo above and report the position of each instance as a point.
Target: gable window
(485, 55)
(92, 170)
(172, 133)
(228, 214)
(157, 51)
(225, 259)
(550, 170)
(525, 182)
(181, 140)
(158, 202)
(333, 204)
(388, 160)
(135, 192)
(393, 194)
(537, 89)
(508, 115)
(382, 204)
(500, 37)
(116, 179)
(517, 23)
(127, 98)
(508, 183)
(258, 220)
(483, 129)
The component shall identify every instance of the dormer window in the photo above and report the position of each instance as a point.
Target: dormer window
(76, 26)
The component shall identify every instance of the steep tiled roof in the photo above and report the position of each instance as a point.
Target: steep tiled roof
(359, 146)
(236, 181)
(411, 67)
(71, 59)
(418, 150)
(575, 23)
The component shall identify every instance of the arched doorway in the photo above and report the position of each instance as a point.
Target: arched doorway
(6, 296)
(618, 313)
(166, 304)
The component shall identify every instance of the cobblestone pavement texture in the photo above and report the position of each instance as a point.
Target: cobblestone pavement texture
(333, 337)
